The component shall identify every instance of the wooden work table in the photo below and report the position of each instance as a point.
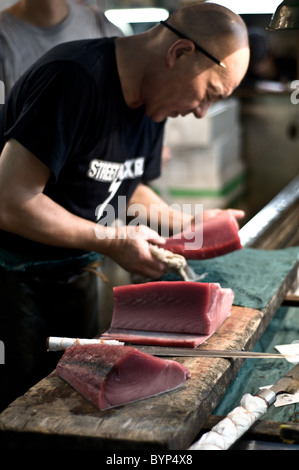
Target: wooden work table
(51, 415)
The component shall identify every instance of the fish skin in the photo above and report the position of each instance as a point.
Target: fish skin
(110, 376)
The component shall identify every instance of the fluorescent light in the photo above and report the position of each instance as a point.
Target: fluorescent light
(251, 6)
(136, 15)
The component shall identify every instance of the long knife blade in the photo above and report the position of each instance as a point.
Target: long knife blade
(244, 416)
(190, 352)
(61, 343)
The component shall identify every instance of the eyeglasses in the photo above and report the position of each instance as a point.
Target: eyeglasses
(199, 48)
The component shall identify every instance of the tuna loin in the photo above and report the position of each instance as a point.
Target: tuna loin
(169, 312)
(109, 376)
(220, 235)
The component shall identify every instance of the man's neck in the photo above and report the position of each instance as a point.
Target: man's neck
(42, 13)
(127, 53)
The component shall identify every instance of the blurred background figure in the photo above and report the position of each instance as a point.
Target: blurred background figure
(264, 65)
(29, 28)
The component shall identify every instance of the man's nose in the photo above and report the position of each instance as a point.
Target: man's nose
(201, 110)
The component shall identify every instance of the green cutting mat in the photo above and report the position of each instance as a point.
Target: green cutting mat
(254, 275)
(256, 373)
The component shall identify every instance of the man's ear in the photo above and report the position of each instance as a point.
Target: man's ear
(178, 49)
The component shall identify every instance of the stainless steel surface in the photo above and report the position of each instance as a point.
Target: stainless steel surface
(268, 395)
(270, 213)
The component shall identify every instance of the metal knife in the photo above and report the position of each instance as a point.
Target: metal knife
(193, 352)
(237, 422)
(55, 343)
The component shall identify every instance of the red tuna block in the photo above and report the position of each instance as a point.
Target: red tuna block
(220, 235)
(171, 306)
(110, 376)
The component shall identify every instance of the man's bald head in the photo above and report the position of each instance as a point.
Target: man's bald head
(219, 30)
(167, 73)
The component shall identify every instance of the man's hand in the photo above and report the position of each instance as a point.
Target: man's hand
(129, 247)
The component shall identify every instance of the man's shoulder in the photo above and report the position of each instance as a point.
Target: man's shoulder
(85, 52)
(70, 70)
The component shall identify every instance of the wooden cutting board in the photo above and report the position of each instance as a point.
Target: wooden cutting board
(52, 414)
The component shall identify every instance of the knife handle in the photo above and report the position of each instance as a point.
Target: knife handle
(225, 433)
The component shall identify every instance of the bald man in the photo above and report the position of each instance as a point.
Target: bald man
(192, 79)
(81, 136)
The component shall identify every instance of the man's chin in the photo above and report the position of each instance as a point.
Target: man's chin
(174, 115)
(156, 117)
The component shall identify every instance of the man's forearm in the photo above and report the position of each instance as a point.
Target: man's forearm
(157, 213)
(42, 220)
(26, 211)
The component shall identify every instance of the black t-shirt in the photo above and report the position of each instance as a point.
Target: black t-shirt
(69, 111)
